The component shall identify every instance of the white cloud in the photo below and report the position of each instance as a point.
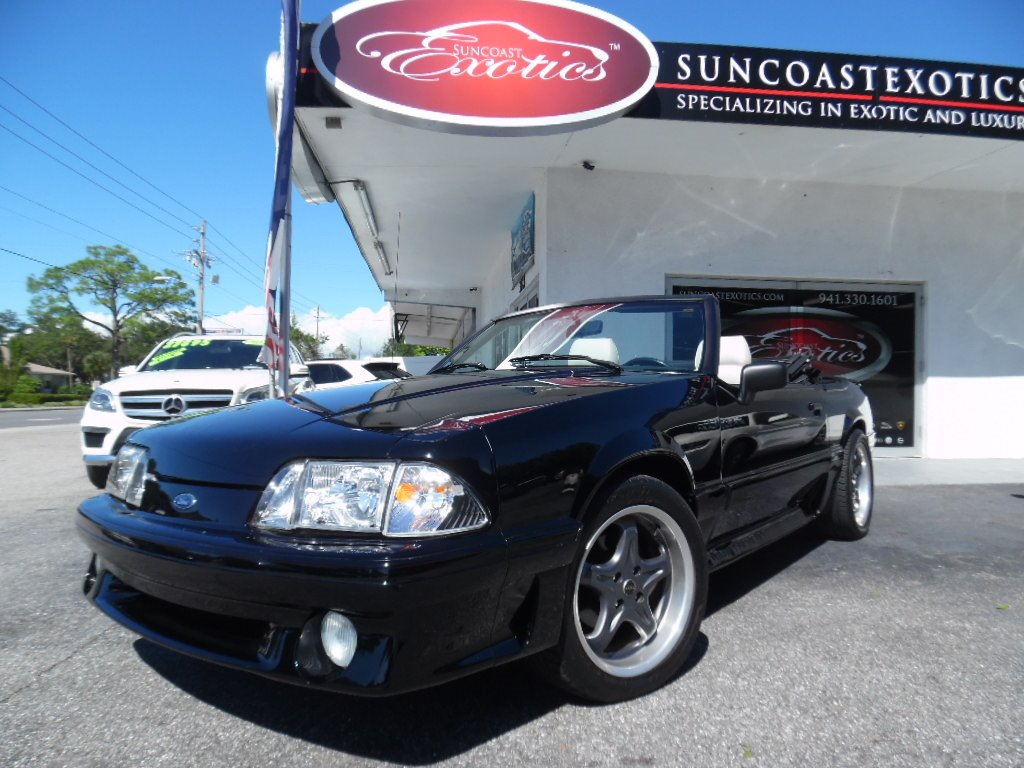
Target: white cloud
(100, 317)
(362, 330)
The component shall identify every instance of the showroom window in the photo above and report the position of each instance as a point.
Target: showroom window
(867, 332)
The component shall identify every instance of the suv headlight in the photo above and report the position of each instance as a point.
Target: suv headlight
(102, 400)
(409, 499)
(127, 478)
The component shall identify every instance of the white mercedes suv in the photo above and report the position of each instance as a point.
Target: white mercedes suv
(187, 372)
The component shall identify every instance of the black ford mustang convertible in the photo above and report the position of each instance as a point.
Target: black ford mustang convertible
(558, 487)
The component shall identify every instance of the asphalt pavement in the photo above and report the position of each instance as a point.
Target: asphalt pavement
(39, 417)
(904, 649)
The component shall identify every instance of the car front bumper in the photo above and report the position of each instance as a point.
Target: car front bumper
(425, 611)
(103, 433)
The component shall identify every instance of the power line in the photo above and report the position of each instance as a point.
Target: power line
(246, 255)
(259, 264)
(91, 165)
(54, 266)
(305, 300)
(43, 224)
(112, 238)
(93, 181)
(225, 258)
(97, 147)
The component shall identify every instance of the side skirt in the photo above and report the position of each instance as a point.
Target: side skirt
(726, 551)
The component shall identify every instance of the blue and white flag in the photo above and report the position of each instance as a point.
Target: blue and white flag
(285, 65)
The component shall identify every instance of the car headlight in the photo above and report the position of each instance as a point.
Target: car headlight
(127, 478)
(255, 394)
(412, 499)
(102, 400)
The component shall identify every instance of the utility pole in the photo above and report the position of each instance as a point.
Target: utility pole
(316, 336)
(200, 260)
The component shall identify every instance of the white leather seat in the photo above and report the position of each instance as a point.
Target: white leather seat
(733, 354)
(596, 347)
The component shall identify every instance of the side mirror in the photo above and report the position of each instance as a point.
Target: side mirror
(298, 369)
(761, 377)
(127, 370)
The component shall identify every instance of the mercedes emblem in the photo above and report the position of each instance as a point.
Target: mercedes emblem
(174, 405)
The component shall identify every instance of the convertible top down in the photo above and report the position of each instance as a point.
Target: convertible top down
(558, 487)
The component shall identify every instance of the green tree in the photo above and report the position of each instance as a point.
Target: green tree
(59, 339)
(341, 352)
(141, 334)
(11, 368)
(307, 344)
(10, 324)
(114, 284)
(395, 348)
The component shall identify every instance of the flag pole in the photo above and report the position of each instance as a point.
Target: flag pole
(275, 353)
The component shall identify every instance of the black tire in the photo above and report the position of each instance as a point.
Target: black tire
(643, 537)
(97, 475)
(847, 516)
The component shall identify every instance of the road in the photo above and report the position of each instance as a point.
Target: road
(37, 417)
(904, 649)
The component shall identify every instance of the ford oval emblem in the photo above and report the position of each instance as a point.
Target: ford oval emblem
(184, 501)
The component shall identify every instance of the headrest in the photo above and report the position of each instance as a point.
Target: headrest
(733, 354)
(599, 348)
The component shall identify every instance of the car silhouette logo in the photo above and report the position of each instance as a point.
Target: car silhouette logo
(174, 405)
(807, 340)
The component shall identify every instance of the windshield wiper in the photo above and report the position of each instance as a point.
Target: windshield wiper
(311, 404)
(521, 362)
(456, 366)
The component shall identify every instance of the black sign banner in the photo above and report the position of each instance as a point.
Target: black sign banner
(866, 336)
(824, 90)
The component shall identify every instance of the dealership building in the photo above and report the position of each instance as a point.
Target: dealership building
(868, 210)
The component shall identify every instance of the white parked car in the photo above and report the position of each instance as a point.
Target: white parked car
(327, 374)
(187, 372)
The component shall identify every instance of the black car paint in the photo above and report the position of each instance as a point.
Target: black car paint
(538, 448)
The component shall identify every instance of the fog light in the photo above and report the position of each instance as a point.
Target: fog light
(338, 635)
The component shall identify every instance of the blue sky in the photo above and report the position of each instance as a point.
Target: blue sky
(175, 92)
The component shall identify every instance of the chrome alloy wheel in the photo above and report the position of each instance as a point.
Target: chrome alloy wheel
(634, 591)
(861, 485)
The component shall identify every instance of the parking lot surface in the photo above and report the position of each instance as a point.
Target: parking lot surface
(904, 649)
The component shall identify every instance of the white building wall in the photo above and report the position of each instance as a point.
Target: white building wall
(611, 233)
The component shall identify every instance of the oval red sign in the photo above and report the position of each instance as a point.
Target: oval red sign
(485, 66)
(839, 344)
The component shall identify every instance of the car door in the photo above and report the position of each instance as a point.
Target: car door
(774, 451)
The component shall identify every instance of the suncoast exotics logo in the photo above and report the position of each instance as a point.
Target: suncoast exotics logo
(840, 344)
(485, 66)
(483, 49)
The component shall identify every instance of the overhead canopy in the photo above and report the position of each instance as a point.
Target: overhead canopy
(431, 211)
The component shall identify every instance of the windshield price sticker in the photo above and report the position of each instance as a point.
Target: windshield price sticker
(176, 343)
(163, 357)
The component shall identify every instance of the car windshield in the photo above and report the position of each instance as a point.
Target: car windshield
(188, 354)
(651, 335)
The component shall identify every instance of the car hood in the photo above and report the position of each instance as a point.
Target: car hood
(246, 444)
(202, 379)
(433, 402)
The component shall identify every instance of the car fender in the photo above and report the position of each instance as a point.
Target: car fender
(629, 453)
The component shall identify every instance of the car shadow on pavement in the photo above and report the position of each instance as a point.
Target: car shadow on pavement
(436, 724)
(734, 581)
(419, 728)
